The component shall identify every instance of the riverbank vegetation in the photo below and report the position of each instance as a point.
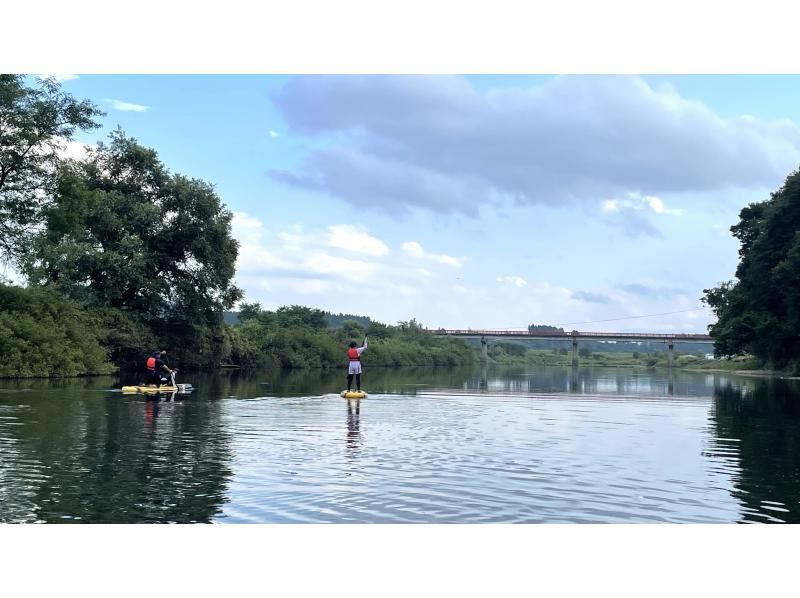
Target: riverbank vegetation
(301, 337)
(42, 334)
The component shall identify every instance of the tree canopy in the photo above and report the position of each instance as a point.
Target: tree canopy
(36, 122)
(122, 232)
(759, 312)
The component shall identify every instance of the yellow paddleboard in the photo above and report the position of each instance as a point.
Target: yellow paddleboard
(134, 389)
(353, 395)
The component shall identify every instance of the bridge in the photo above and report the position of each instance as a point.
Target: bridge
(574, 336)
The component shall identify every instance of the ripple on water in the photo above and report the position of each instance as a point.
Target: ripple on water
(437, 457)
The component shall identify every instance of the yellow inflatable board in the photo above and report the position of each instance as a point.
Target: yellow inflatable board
(133, 389)
(353, 394)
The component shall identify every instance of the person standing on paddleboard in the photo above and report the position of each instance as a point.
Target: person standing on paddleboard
(354, 365)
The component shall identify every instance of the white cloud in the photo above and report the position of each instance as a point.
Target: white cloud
(415, 249)
(343, 253)
(657, 205)
(637, 201)
(274, 134)
(245, 228)
(324, 268)
(351, 238)
(633, 213)
(127, 106)
(516, 281)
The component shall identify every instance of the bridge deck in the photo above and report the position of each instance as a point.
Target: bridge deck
(633, 336)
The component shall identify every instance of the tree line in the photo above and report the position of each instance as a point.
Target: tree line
(758, 313)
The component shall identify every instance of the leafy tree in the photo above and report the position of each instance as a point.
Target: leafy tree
(352, 330)
(584, 352)
(378, 330)
(759, 313)
(123, 232)
(35, 124)
(249, 311)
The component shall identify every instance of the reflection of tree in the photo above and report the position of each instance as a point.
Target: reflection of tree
(113, 459)
(765, 420)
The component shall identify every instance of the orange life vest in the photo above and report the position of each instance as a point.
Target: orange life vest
(151, 363)
(352, 355)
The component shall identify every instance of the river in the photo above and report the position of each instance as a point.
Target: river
(498, 444)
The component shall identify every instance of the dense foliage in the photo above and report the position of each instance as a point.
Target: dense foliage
(43, 334)
(36, 123)
(759, 312)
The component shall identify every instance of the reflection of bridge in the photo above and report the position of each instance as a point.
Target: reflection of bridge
(574, 336)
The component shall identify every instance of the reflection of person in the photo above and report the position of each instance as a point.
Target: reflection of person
(354, 367)
(151, 411)
(353, 412)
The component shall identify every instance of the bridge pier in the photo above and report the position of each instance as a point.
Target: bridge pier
(670, 352)
(484, 349)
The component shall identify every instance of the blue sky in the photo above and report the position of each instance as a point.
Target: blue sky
(479, 201)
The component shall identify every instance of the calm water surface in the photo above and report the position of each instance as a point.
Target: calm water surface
(528, 445)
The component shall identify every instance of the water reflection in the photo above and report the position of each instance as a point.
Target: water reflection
(522, 444)
(79, 455)
(761, 421)
(588, 380)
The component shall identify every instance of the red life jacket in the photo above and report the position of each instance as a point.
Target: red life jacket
(151, 363)
(352, 354)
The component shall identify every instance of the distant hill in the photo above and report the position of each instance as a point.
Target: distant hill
(231, 318)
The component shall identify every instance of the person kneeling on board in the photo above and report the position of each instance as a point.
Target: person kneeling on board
(155, 365)
(354, 367)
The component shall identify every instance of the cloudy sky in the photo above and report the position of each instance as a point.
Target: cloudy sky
(482, 201)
